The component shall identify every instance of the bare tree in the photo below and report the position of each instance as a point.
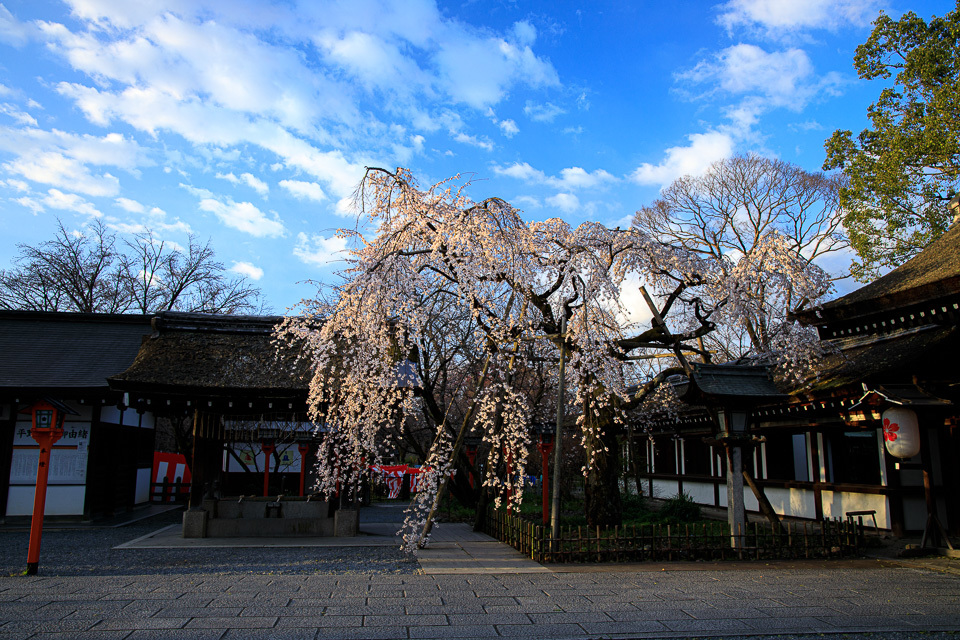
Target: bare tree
(728, 211)
(72, 272)
(91, 272)
(161, 278)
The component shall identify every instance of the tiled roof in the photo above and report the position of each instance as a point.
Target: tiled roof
(67, 350)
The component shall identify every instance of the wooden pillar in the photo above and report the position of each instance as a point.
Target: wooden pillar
(736, 512)
(895, 496)
(814, 466)
(949, 437)
(197, 471)
(304, 450)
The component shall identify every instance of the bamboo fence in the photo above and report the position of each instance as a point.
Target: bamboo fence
(713, 541)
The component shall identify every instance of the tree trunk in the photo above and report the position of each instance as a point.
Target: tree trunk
(602, 486)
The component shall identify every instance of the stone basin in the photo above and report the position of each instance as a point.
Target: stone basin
(268, 517)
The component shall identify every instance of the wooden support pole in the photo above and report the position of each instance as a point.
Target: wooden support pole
(736, 513)
(765, 507)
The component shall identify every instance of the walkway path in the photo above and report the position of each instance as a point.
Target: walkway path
(580, 605)
(454, 547)
(473, 587)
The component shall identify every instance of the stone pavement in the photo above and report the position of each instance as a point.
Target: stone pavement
(574, 604)
(473, 587)
(454, 547)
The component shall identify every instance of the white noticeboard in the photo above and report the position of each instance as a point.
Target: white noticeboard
(68, 457)
(286, 459)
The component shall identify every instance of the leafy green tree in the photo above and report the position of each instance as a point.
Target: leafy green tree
(905, 167)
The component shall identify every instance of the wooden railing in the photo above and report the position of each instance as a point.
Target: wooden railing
(757, 541)
(169, 492)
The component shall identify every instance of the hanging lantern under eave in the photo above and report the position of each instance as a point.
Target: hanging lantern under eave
(901, 432)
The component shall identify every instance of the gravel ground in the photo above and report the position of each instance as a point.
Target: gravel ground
(89, 551)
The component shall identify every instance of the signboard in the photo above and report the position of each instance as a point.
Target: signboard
(68, 458)
(249, 457)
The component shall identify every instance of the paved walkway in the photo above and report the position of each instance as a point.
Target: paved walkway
(454, 547)
(620, 604)
(474, 587)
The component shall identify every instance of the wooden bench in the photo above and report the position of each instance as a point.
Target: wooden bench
(859, 516)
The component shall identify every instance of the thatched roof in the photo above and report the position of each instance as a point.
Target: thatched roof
(218, 356)
(55, 350)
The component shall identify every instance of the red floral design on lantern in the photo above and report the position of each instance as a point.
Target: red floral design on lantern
(890, 430)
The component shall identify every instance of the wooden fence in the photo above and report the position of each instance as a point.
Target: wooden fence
(757, 541)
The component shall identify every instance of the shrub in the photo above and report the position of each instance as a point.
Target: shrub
(680, 508)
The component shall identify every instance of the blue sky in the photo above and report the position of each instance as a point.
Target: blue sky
(250, 122)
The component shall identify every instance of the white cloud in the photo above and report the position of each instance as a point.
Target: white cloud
(634, 310)
(16, 185)
(247, 269)
(248, 179)
(154, 219)
(778, 16)
(301, 83)
(21, 117)
(405, 153)
(525, 33)
(30, 203)
(569, 179)
(131, 206)
(12, 31)
(577, 178)
(319, 250)
(509, 128)
(704, 149)
(376, 63)
(61, 159)
(56, 199)
(542, 112)
(526, 202)
(199, 192)
(566, 202)
(479, 71)
(245, 217)
(473, 141)
(521, 171)
(304, 190)
(346, 207)
(783, 78)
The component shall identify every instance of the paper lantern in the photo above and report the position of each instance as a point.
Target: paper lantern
(901, 432)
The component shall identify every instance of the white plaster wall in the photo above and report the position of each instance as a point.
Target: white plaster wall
(836, 504)
(128, 417)
(665, 488)
(798, 503)
(61, 500)
(142, 492)
(700, 492)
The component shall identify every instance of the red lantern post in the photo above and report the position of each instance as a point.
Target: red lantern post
(268, 449)
(472, 457)
(47, 420)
